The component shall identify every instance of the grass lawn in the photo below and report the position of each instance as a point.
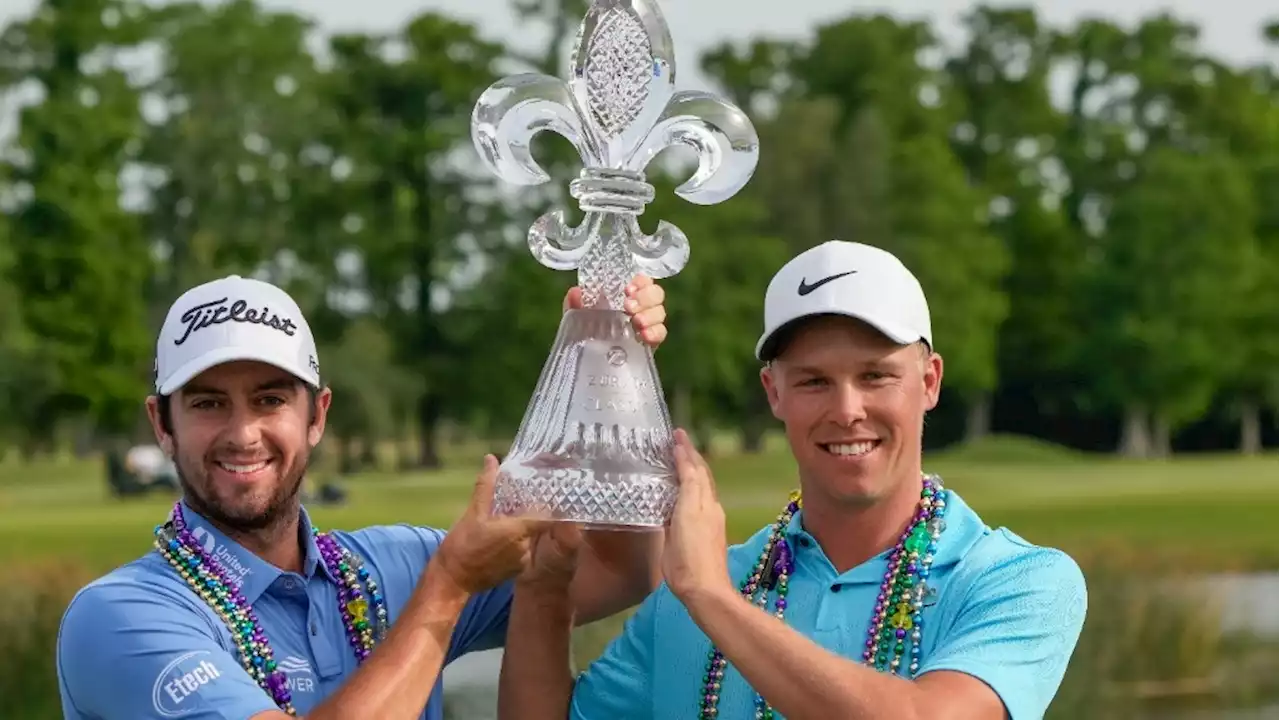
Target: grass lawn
(1192, 513)
(1118, 518)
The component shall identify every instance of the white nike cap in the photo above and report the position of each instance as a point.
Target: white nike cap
(850, 279)
(233, 319)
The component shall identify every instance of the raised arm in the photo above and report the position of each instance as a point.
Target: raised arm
(616, 570)
(480, 552)
(536, 681)
(122, 644)
(1004, 658)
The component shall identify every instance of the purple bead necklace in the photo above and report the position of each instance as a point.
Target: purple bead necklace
(895, 628)
(357, 593)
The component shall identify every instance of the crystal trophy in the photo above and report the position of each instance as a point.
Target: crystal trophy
(595, 444)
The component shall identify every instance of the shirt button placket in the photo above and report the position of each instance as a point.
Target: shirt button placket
(321, 629)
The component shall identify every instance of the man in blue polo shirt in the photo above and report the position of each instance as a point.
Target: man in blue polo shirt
(244, 609)
(877, 593)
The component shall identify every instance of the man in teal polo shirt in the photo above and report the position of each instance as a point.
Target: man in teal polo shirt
(877, 593)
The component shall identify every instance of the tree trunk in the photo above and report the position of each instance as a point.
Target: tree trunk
(369, 452)
(28, 449)
(978, 424)
(428, 345)
(705, 434)
(1135, 437)
(1161, 438)
(342, 453)
(405, 455)
(429, 416)
(755, 422)
(684, 417)
(682, 407)
(84, 442)
(1250, 427)
(752, 436)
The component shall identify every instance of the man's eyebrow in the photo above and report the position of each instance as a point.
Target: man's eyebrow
(283, 383)
(862, 365)
(885, 364)
(278, 384)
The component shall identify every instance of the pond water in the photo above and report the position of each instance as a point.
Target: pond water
(1249, 602)
(471, 686)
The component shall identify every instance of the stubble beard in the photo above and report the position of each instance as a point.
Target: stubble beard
(281, 508)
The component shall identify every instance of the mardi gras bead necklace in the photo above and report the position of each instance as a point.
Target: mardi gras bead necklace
(357, 593)
(895, 629)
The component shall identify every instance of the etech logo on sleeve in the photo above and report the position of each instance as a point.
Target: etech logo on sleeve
(180, 680)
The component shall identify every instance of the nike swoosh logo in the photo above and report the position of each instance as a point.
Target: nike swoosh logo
(806, 288)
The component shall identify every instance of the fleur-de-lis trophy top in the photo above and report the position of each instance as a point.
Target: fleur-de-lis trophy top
(595, 445)
(619, 109)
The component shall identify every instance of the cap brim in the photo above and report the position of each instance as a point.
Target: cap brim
(767, 345)
(218, 356)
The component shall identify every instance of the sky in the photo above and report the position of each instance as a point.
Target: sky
(1230, 27)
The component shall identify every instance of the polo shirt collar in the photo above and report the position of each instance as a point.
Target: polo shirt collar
(252, 574)
(962, 529)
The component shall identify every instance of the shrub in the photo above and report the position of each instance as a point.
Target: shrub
(32, 601)
(1147, 644)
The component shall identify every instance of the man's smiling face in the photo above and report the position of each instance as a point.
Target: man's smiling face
(242, 437)
(853, 404)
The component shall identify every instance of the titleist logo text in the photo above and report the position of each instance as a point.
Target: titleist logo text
(217, 312)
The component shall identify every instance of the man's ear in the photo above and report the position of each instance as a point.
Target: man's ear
(770, 380)
(321, 415)
(932, 380)
(163, 438)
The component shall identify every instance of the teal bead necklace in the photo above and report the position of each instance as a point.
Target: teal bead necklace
(894, 633)
(357, 593)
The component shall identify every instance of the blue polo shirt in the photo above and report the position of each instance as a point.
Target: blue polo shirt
(1006, 612)
(138, 644)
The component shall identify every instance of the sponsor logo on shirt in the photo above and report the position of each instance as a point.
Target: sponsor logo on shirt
(180, 680)
(297, 674)
(236, 570)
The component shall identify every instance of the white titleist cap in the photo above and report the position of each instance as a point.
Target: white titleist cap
(850, 279)
(232, 319)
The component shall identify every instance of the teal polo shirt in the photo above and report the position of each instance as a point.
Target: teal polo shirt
(1006, 612)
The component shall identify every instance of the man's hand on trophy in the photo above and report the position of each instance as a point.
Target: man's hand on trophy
(644, 304)
(555, 556)
(482, 550)
(693, 559)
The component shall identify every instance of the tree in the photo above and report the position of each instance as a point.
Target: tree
(894, 182)
(1004, 138)
(229, 150)
(78, 257)
(1164, 295)
(400, 116)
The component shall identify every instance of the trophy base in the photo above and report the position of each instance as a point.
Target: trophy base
(628, 502)
(595, 445)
